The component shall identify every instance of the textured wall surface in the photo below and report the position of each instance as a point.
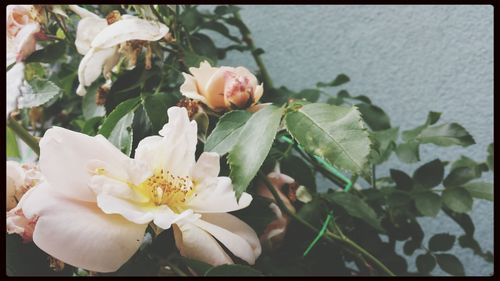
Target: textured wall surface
(408, 60)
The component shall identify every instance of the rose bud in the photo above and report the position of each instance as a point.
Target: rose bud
(222, 88)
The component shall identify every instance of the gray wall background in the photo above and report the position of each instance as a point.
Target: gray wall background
(408, 60)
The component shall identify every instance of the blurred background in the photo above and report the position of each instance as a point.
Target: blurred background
(408, 60)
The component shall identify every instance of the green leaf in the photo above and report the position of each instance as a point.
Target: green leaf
(232, 270)
(302, 173)
(425, 263)
(402, 180)
(91, 126)
(432, 118)
(42, 92)
(446, 135)
(190, 18)
(386, 143)
(220, 28)
(480, 189)
(461, 219)
(335, 133)
(441, 242)
(428, 203)
(311, 95)
(408, 152)
(204, 46)
(49, 54)
(199, 267)
(457, 199)
(312, 211)
(450, 264)
(201, 118)
(430, 174)
(460, 176)
(12, 147)
(489, 160)
(253, 145)
(468, 241)
(117, 114)
(226, 132)
(374, 116)
(156, 107)
(89, 107)
(224, 10)
(339, 80)
(121, 135)
(355, 207)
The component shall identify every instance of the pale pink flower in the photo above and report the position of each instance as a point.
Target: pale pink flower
(222, 88)
(93, 210)
(22, 31)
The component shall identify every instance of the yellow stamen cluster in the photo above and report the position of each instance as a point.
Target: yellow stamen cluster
(164, 188)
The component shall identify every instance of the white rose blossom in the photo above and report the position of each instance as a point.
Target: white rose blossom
(93, 209)
(99, 42)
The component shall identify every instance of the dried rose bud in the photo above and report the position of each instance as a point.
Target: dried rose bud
(192, 106)
(113, 17)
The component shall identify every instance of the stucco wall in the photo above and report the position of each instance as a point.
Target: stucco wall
(407, 59)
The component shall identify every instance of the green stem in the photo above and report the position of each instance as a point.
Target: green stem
(266, 78)
(23, 134)
(329, 236)
(368, 255)
(374, 178)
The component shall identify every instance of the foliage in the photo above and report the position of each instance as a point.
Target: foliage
(348, 132)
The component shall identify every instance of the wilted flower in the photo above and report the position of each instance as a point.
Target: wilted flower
(102, 41)
(22, 32)
(222, 88)
(275, 231)
(94, 208)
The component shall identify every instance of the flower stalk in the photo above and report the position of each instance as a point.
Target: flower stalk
(23, 134)
(329, 236)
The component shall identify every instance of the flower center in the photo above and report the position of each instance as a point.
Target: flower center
(164, 188)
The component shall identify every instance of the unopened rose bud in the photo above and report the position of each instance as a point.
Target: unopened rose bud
(222, 88)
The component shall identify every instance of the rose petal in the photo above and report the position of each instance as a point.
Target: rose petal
(175, 152)
(195, 243)
(236, 235)
(88, 28)
(190, 90)
(207, 166)
(129, 29)
(79, 233)
(64, 159)
(217, 196)
(91, 66)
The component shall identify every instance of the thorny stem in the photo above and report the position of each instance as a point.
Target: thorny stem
(268, 82)
(329, 236)
(22, 133)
